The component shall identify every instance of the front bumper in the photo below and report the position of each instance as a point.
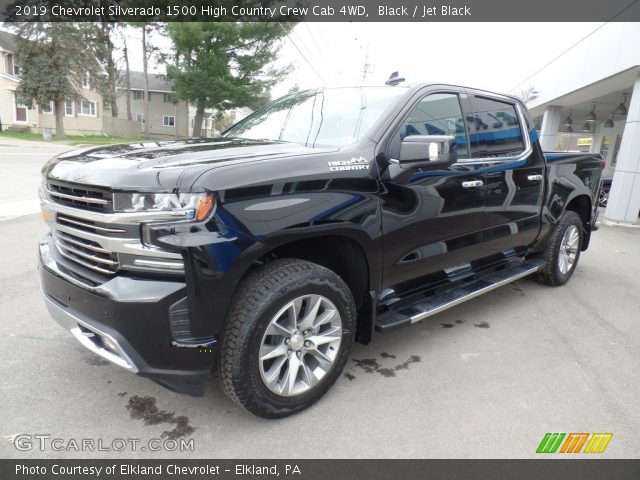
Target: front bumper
(126, 320)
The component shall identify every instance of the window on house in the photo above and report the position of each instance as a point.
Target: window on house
(47, 108)
(138, 95)
(86, 81)
(21, 112)
(140, 117)
(168, 98)
(169, 121)
(69, 108)
(87, 108)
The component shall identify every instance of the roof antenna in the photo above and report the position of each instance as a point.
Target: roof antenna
(394, 79)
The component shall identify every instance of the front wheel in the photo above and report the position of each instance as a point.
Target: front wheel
(563, 251)
(287, 337)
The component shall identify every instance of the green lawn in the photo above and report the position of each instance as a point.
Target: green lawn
(70, 139)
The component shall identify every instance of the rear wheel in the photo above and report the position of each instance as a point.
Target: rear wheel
(287, 338)
(603, 198)
(563, 251)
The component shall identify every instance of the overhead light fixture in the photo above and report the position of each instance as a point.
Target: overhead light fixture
(622, 108)
(609, 123)
(586, 128)
(591, 116)
(568, 121)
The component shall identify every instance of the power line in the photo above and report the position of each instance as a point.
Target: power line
(303, 56)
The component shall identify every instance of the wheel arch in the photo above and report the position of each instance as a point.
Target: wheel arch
(582, 205)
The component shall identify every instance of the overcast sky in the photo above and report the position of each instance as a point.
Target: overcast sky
(492, 56)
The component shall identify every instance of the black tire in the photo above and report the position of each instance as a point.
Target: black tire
(551, 273)
(260, 297)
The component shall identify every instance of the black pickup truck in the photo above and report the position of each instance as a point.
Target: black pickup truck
(318, 220)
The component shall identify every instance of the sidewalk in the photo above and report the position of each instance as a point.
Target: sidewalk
(20, 164)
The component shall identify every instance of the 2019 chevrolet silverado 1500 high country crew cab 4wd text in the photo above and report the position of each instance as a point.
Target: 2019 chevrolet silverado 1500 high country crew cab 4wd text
(321, 218)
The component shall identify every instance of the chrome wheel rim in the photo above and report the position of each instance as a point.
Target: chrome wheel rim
(300, 345)
(604, 197)
(568, 249)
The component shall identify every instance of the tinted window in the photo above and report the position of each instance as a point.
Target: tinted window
(334, 117)
(435, 114)
(495, 129)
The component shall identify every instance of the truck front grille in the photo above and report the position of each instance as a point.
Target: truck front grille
(80, 197)
(94, 242)
(85, 252)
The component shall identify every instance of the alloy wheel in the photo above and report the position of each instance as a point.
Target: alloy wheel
(300, 345)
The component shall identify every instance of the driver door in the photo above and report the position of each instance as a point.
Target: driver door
(432, 215)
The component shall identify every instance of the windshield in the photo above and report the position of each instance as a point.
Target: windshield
(330, 117)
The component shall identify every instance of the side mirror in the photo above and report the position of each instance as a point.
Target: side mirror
(428, 150)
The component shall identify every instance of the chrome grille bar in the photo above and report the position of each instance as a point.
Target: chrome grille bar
(78, 198)
(59, 235)
(85, 264)
(88, 256)
(75, 221)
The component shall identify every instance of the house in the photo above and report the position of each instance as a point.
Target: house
(212, 127)
(86, 114)
(83, 115)
(12, 113)
(166, 117)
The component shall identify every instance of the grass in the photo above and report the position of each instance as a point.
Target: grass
(70, 139)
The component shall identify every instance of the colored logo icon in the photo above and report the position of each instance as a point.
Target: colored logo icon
(574, 443)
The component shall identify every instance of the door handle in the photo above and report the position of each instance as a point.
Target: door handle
(534, 178)
(473, 184)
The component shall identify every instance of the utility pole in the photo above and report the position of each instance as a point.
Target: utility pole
(367, 68)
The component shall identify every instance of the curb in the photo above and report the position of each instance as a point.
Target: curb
(612, 223)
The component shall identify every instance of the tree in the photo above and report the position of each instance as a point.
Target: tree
(127, 78)
(221, 65)
(54, 58)
(147, 51)
(107, 84)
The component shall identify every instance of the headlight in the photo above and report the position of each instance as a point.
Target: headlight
(194, 206)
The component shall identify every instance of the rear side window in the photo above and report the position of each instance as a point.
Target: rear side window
(495, 129)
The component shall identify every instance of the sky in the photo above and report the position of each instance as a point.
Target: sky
(491, 56)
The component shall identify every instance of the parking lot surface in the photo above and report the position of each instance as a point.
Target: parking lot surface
(485, 379)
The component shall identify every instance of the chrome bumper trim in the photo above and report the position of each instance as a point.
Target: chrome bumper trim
(73, 323)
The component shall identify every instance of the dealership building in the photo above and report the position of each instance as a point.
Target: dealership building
(588, 99)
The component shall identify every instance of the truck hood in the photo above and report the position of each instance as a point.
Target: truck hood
(164, 165)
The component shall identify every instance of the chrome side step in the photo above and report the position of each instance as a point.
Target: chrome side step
(391, 320)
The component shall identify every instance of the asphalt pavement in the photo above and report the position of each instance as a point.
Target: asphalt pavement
(486, 379)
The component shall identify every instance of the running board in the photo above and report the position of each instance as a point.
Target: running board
(391, 320)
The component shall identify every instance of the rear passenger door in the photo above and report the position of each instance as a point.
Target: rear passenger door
(514, 175)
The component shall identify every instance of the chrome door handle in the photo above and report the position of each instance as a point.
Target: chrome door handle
(534, 178)
(473, 184)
